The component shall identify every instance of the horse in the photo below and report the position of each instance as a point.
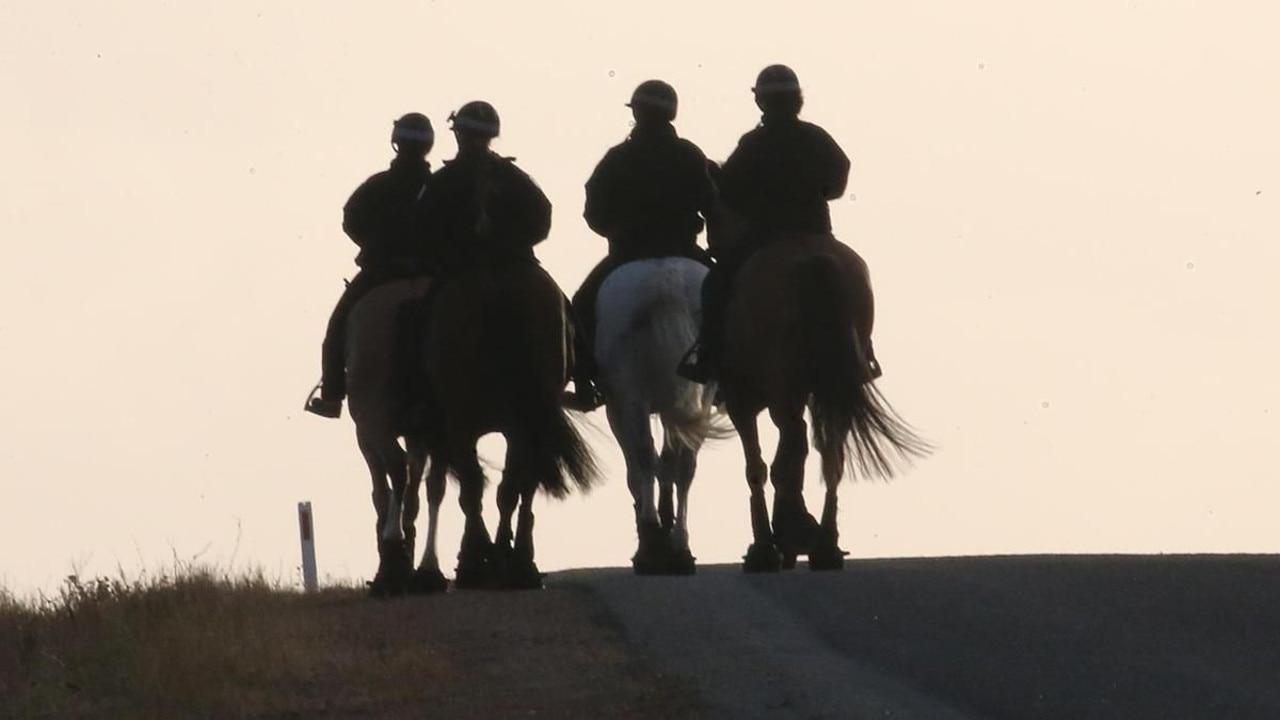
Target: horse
(797, 312)
(497, 358)
(375, 375)
(647, 316)
(495, 355)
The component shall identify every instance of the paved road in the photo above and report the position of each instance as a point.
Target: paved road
(1022, 638)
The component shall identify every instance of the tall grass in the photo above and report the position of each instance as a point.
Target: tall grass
(199, 643)
(192, 642)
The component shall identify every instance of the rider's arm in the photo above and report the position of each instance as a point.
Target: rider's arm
(360, 215)
(601, 207)
(835, 167)
(533, 210)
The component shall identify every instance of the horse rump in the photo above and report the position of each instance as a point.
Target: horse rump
(557, 454)
(852, 422)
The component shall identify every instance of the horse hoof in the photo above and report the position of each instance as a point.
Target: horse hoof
(473, 576)
(788, 561)
(827, 558)
(762, 558)
(384, 587)
(647, 564)
(529, 579)
(428, 582)
(682, 564)
(377, 589)
(526, 577)
(795, 529)
(395, 569)
(650, 559)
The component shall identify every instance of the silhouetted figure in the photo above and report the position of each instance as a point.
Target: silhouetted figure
(647, 196)
(779, 179)
(480, 210)
(379, 217)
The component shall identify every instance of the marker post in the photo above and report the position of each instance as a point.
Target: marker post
(306, 530)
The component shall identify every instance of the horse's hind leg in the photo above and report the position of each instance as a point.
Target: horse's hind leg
(524, 573)
(826, 553)
(508, 500)
(428, 578)
(630, 424)
(795, 529)
(386, 461)
(416, 465)
(762, 556)
(666, 488)
(473, 558)
(513, 565)
(509, 496)
(675, 472)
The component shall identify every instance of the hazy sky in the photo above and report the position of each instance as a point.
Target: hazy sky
(1071, 217)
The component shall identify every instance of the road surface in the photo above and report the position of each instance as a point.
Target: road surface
(1018, 637)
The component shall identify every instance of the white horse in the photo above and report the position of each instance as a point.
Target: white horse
(376, 401)
(648, 313)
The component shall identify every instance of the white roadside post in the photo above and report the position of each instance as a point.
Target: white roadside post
(306, 529)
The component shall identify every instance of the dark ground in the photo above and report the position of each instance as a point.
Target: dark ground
(1055, 637)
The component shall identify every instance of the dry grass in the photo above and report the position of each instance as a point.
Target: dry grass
(198, 644)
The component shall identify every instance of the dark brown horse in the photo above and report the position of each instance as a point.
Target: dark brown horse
(498, 356)
(798, 308)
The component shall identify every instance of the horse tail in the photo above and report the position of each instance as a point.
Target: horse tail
(692, 418)
(853, 424)
(558, 454)
(558, 444)
(692, 430)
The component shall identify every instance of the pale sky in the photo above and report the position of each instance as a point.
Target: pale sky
(1071, 216)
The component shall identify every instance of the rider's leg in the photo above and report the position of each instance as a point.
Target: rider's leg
(586, 395)
(706, 363)
(333, 349)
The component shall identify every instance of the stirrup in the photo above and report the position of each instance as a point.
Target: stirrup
(584, 398)
(873, 367)
(694, 372)
(322, 407)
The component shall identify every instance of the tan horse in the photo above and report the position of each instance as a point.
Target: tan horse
(376, 401)
(796, 312)
(496, 356)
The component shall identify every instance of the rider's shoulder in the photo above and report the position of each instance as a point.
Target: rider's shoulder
(691, 148)
(815, 130)
(371, 186)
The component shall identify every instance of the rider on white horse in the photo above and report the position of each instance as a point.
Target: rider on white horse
(648, 196)
(379, 218)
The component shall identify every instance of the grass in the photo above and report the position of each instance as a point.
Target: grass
(164, 646)
(197, 643)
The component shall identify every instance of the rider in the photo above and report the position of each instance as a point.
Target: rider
(480, 210)
(779, 179)
(379, 218)
(645, 197)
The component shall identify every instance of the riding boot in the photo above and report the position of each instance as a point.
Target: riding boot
(585, 396)
(705, 365)
(332, 369)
